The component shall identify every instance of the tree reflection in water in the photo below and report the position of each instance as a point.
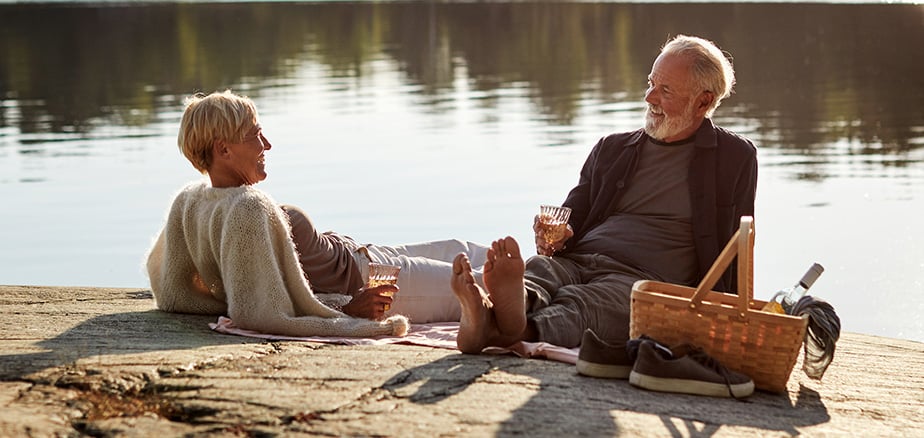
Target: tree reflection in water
(810, 74)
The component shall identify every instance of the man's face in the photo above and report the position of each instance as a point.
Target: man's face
(674, 105)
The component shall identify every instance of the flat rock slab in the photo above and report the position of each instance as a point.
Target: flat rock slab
(95, 361)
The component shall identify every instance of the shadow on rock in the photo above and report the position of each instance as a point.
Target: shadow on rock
(554, 409)
(565, 403)
(696, 416)
(438, 380)
(771, 412)
(114, 334)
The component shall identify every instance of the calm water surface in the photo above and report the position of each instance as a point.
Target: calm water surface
(401, 122)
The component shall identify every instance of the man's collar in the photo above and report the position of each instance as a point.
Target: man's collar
(704, 137)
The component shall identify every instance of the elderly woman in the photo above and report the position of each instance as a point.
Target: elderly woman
(229, 248)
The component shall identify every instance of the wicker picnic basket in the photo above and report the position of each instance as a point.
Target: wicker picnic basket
(730, 328)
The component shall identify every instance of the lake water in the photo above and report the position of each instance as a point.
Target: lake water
(402, 122)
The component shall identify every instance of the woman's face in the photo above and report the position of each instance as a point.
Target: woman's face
(247, 157)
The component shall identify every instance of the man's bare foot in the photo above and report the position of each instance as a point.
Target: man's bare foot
(477, 324)
(503, 277)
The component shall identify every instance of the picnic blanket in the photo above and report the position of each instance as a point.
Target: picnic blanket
(437, 335)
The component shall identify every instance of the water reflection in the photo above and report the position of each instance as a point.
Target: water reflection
(513, 94)
(811, 75)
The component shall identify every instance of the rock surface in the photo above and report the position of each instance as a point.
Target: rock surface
(93, 361)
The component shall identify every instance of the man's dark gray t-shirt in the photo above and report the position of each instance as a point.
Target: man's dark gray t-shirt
(651, 228)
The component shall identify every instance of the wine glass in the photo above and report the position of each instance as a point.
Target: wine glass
(381, 274)
(553, 222)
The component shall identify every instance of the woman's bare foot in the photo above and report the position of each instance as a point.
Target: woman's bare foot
(503, 277)
(477, 324)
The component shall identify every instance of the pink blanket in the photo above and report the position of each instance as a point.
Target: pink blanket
(438, 335)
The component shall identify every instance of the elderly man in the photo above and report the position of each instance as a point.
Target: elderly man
(658, 203)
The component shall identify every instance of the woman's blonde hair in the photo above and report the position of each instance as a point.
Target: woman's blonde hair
(222, 116)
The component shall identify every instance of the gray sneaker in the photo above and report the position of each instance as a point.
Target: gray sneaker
(688, 370)
(598, 358)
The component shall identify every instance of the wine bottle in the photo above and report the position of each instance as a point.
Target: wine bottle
(784, 299)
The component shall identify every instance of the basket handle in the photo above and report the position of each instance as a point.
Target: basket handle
(740, 244)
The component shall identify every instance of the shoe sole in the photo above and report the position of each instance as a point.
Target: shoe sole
(695, 387)
(603, 371)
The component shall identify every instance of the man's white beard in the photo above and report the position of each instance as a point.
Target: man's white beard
(668, 126)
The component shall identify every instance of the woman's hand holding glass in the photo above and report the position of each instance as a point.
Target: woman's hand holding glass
(371, 302)
(376, 297)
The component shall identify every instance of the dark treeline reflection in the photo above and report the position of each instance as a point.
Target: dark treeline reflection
(809, 74)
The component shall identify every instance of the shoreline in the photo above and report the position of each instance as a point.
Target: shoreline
(103, 362)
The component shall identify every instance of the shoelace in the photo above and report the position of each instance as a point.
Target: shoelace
(632, 346)
(708, 361)
(695, 353)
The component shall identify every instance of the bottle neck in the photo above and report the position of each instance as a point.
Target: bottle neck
(794, 295)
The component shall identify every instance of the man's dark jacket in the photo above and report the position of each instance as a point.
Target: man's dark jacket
(722, 180)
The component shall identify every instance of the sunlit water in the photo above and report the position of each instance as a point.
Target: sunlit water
(396, 123)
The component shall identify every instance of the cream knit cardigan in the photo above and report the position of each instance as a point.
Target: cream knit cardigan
(237, 240)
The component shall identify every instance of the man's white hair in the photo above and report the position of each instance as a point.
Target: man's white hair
(712, 68)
